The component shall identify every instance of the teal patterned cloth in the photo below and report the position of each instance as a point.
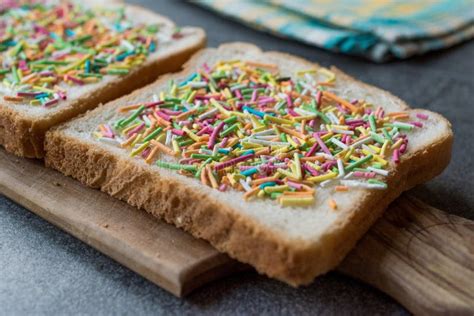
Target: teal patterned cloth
(377, 29)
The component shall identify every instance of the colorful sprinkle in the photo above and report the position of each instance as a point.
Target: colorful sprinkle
(47, 47)
(241, 126)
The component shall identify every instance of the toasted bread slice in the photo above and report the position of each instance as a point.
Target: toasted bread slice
(292, 244)
(22, 126)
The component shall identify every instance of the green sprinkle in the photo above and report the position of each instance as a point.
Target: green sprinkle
(358, 163)
(175, 166)
(153, 134)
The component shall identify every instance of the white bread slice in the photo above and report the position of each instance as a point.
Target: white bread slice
(22, 126)
(291, 244)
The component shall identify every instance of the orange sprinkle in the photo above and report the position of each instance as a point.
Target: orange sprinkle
(163, 148)
(12, 98)
(204, 176)
(129, 140)
(129, 107)
(250, 193)
(185, 114)
(152, 154)
(261, 65)
(263, 180)
(332, 204)
(341, 188)
(341, 101)
(212, 178)
(291, 132)
(327, 84)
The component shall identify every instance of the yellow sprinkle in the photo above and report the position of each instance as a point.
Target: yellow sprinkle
(276, 188)
(397, 144)
(139, 149)
(191, 134)
(375, 148)
(383, 151)
(296, 200)
(323, 177)
(219, 107)
(277, 119)
(191, 97)
(298, 173)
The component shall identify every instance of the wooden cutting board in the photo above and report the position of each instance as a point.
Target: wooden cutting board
(421, 256)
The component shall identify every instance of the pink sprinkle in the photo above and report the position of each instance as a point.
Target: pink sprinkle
(163, 115)
(22, 65)
(75, 80)
(311, 170)
(417, 124)
(136, 129)
(321, 144)
(224, 142)
(422, 116)
(319, 95)
(51, 102)
(312, 150)
(205, 130)
(177, 132)
(396, 156)
(146, 152)
(254, 95)
(292, 112)
(223, 187)
(238, 94)
(215, 133)
(403, 148)
(328, 164)
(361, 174)
(289, 102)
(232, 162)
(295, 185)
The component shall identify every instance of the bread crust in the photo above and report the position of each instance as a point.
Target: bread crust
(23, 135)
(296, 262)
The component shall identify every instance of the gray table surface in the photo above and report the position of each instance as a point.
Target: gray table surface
(46, 271)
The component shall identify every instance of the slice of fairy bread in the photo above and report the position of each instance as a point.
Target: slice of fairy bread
(59, 59)
(275, 160)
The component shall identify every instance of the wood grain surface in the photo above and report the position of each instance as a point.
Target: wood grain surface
(421, 256)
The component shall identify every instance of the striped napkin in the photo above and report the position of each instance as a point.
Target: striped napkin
(377, 29)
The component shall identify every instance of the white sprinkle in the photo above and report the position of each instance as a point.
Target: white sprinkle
(340, 166)
(304, 112)
(325, 156)
(266, 142)
(362, 141)
(208, 114)
(378, 171)
(349, 175)
(332, 117)
(168, 138)
(155, 98)
(200, 84)
(245, 185)
(370, 150)
(341, 131)
(338, 143)
(265, 132)
(325, 183)
(110, 141)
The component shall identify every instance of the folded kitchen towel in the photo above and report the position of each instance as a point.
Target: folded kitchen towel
(379, 30)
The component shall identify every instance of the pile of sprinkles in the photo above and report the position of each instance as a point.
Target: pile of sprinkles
(44, 48)
(241, 125)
